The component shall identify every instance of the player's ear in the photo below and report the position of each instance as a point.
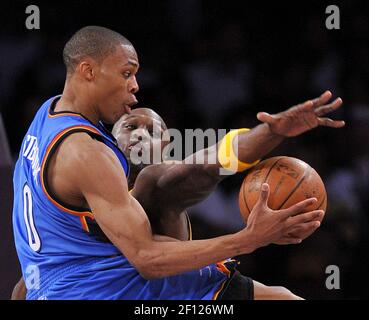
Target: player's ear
(85, 68)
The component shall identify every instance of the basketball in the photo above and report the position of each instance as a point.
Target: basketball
(290, 181)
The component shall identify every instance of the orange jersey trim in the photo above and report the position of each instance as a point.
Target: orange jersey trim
(80, 214)
(222, 268)
(70, 114)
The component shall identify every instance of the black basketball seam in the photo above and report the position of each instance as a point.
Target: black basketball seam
(244, 198)
(266, 177)
(296, 187)
(270, 169)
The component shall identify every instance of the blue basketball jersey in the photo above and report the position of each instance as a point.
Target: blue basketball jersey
(62, 251)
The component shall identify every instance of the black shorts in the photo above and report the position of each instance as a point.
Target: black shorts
(237, 287)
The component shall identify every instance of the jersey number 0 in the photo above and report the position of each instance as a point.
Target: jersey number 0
(33, 237)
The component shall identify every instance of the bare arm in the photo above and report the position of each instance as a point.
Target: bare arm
(186, 184)
(125, 223)
(262, 139)
(99, 178)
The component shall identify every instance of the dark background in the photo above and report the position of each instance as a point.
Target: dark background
(215, 64)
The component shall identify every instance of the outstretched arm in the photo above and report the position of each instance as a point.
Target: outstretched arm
(259, 141)
(186, 184)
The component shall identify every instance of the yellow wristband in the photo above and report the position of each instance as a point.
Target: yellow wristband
(226, 155)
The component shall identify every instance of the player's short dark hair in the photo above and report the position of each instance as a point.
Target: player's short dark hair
(91, 41)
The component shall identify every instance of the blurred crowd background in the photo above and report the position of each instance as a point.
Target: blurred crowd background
(215, 64)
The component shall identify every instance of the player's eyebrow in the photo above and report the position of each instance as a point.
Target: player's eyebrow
(132, 63)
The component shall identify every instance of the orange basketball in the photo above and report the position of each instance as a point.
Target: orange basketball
(290, 181)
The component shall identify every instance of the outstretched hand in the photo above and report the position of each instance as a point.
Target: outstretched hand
(303, 117)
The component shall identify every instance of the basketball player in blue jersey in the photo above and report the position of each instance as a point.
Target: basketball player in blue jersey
(70, 175)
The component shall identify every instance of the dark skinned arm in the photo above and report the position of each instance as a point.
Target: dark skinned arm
(183, 184)
(174, 187)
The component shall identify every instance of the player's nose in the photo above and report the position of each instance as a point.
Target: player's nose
(133, 85)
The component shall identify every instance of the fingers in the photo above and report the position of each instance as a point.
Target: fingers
(306, 105)
(289, 240)
(264, 196)
(317, 102)
(320, 111)
(304, 230)
(311, 216)
(324, 109)
(297, 208)
(299, 232)
(327, 122)
(324, 98)
(265, 117)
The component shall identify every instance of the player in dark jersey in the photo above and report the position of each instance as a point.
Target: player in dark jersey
(165, 197)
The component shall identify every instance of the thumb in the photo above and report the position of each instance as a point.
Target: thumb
(265, 117)
(264, 196)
